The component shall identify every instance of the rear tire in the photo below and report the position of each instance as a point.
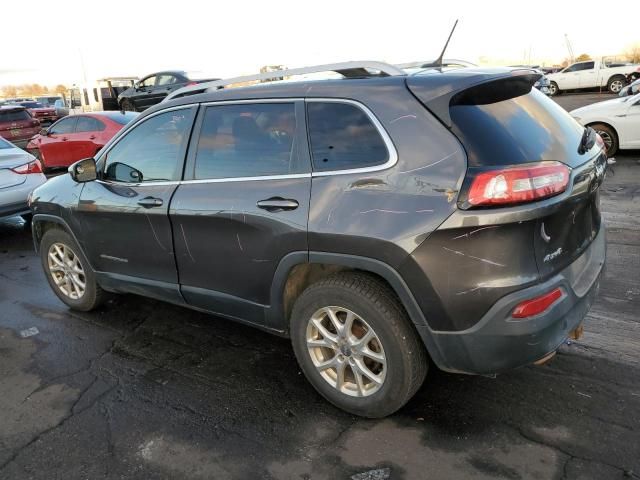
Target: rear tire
(127, 106)
(68, 271)
(609, 136)
(553, 89)
(400, 363)
(616, 83)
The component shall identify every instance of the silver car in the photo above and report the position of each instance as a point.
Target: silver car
(20, 173)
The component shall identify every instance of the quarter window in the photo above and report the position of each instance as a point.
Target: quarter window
(89, 124)
(152, 151)
(247, 140)
(166, 80)
(343, 137)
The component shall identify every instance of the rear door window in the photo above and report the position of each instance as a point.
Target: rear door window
(151, 151)
(342, 136)
(247, 140)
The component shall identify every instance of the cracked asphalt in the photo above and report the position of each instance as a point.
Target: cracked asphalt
(147, 390)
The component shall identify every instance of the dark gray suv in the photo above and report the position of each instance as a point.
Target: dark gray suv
(382, 222)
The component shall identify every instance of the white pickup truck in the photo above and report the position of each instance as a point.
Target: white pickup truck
(591, 74)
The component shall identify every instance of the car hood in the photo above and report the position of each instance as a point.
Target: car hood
(607, 106)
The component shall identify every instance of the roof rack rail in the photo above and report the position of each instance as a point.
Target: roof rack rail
(352, 69)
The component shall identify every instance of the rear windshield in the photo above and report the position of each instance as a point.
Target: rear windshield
(4, 144)
(527, 128)
(14, 115)
(32, 104)
(121, 117)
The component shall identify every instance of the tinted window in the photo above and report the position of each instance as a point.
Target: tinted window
(152, 151)
(166, 80)
(247, 141)
(89, 124)
(66, 125)
(148, 82)
(14, 116)
(342, 137)
(527, 128)
(583, 66)
(572, 68)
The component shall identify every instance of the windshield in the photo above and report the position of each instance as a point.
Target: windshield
(32, 104)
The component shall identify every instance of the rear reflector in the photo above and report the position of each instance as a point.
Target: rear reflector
(31, 167)
(514, 185)
(537, 305)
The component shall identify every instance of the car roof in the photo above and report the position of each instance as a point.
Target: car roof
(12, 107)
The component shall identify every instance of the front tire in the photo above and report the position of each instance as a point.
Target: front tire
(609, 136)
(553, 89)
(68, 271)
(356, 345)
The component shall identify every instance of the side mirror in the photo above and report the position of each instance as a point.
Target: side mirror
(44, 132)
(83, 170)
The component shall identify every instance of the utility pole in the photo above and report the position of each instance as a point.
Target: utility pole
(566, 39)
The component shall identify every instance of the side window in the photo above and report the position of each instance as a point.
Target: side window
(89, 124)
(152, 150)
(572, 68)
(247, 140)
(166, 80)
(343, 137)
(587, 66)
(66, 125)
(148, 82)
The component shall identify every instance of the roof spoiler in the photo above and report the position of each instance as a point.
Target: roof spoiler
(438, 92)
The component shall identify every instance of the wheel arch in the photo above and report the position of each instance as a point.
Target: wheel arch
(41, 223)
(298, 270)
(607, 124)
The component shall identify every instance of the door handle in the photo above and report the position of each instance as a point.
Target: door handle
(277, 204)
(92, 137)
(64, 139)
(149, 202)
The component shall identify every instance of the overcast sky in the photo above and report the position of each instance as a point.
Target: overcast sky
(237, 37)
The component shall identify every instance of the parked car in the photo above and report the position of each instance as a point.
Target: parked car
(591, 74)
(76, 137)
(543, 84)
(48, 100)
(20, 174)
(45, 115)
(616, 120)
(17, 125)
(367, 219)
(153, 88)
(630, 89)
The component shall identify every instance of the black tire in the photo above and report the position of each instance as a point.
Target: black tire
(553, 89)
(609, 136)
(93, 294)
(373, 300)
(127, 106)
(616, 83)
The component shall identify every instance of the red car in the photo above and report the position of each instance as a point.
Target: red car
(17, 125)
(46, 115)
(76, 137)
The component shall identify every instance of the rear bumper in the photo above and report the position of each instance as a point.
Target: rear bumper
(498, 342)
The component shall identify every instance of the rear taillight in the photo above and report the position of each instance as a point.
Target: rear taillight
(536, 305)
(508, 186)
(31, 167)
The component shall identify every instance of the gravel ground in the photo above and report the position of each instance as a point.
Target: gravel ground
(143, 389)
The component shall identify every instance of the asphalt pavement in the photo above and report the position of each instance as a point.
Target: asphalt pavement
(145, 390)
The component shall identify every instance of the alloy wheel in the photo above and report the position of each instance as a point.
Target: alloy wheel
(616, 86)
(346, 351)
(66, 270)
(606, 138)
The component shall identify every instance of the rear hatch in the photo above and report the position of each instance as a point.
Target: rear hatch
(504, 123)
(17, 124)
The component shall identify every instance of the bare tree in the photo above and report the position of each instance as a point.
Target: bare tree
(633, 53)
(9, 91)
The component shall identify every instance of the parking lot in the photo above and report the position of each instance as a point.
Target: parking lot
(144, 389)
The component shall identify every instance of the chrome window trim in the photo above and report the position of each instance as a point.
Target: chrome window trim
(393, 153)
